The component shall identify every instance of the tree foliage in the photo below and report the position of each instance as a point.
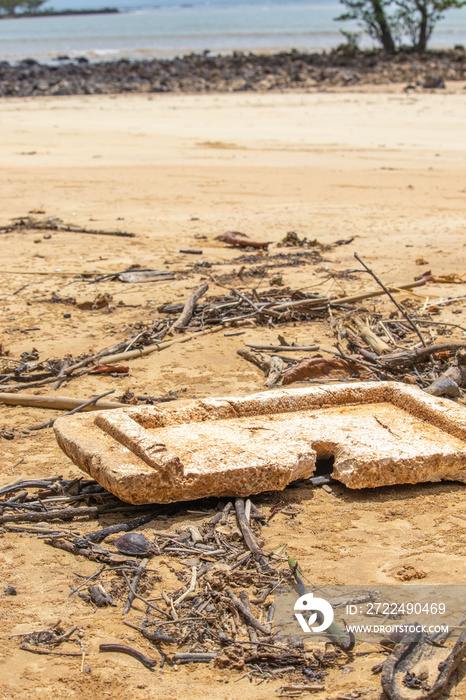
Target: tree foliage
(11, 7)
(372, 16)
(391, 22)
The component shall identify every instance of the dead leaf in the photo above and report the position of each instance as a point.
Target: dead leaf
(236, 238)
(318, 366)
(109, 369)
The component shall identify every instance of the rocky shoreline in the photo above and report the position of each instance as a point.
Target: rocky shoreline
(237, 72)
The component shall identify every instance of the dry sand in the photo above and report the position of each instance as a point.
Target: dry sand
(385, 167)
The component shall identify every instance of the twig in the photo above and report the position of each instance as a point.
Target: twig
(30, 483)
(249, 538)
(159, 346)
(245, 600)
(255, 306)
(368, 365)
(191, 589)
(61, 374)
(143, 600)
(225, 512)
(390, 295)
(222, 515)
(99, 556)
(437, 323)
(62, 514)
(41, 532)
(65, 636)
(322, 303)
(97, 356)
(66, 513)
(338, 637)
(122, 649)
(134, 585)
(100, 597)
(16, 464)
(38, 650)
(284, 348)
(90, 578)
(409, 357)
(242, 561)
(152, 636)
(198, 656)
(55, 224)
(100, 535)
(248, 616)
(49, 423)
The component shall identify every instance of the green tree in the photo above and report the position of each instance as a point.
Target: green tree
(10, 7)
(390, 21)
(373, 17)
(417, 18)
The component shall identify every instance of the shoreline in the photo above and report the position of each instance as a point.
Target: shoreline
(237, 72)
(61, 13)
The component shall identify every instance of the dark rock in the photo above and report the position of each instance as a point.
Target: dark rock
(236, 72)
(433, 82)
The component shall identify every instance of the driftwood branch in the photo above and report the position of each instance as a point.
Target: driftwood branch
(64, 514)
(249, 538)
(247, 614)
(188, 309)
(100, 535)
(408, 358)
(275, 372)
(377, 344)
(134, 585)
(255, 358)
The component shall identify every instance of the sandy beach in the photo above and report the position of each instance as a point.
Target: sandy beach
(383, 167)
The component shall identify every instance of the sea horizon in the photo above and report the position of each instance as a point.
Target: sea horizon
(141, 30)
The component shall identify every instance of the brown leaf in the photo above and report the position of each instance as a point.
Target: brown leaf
(236, 238)
(318, 366)
(109, 369)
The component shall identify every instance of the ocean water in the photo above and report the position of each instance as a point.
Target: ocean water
(169, 28)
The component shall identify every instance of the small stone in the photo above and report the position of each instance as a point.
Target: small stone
(11, 590)
(432, 82)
